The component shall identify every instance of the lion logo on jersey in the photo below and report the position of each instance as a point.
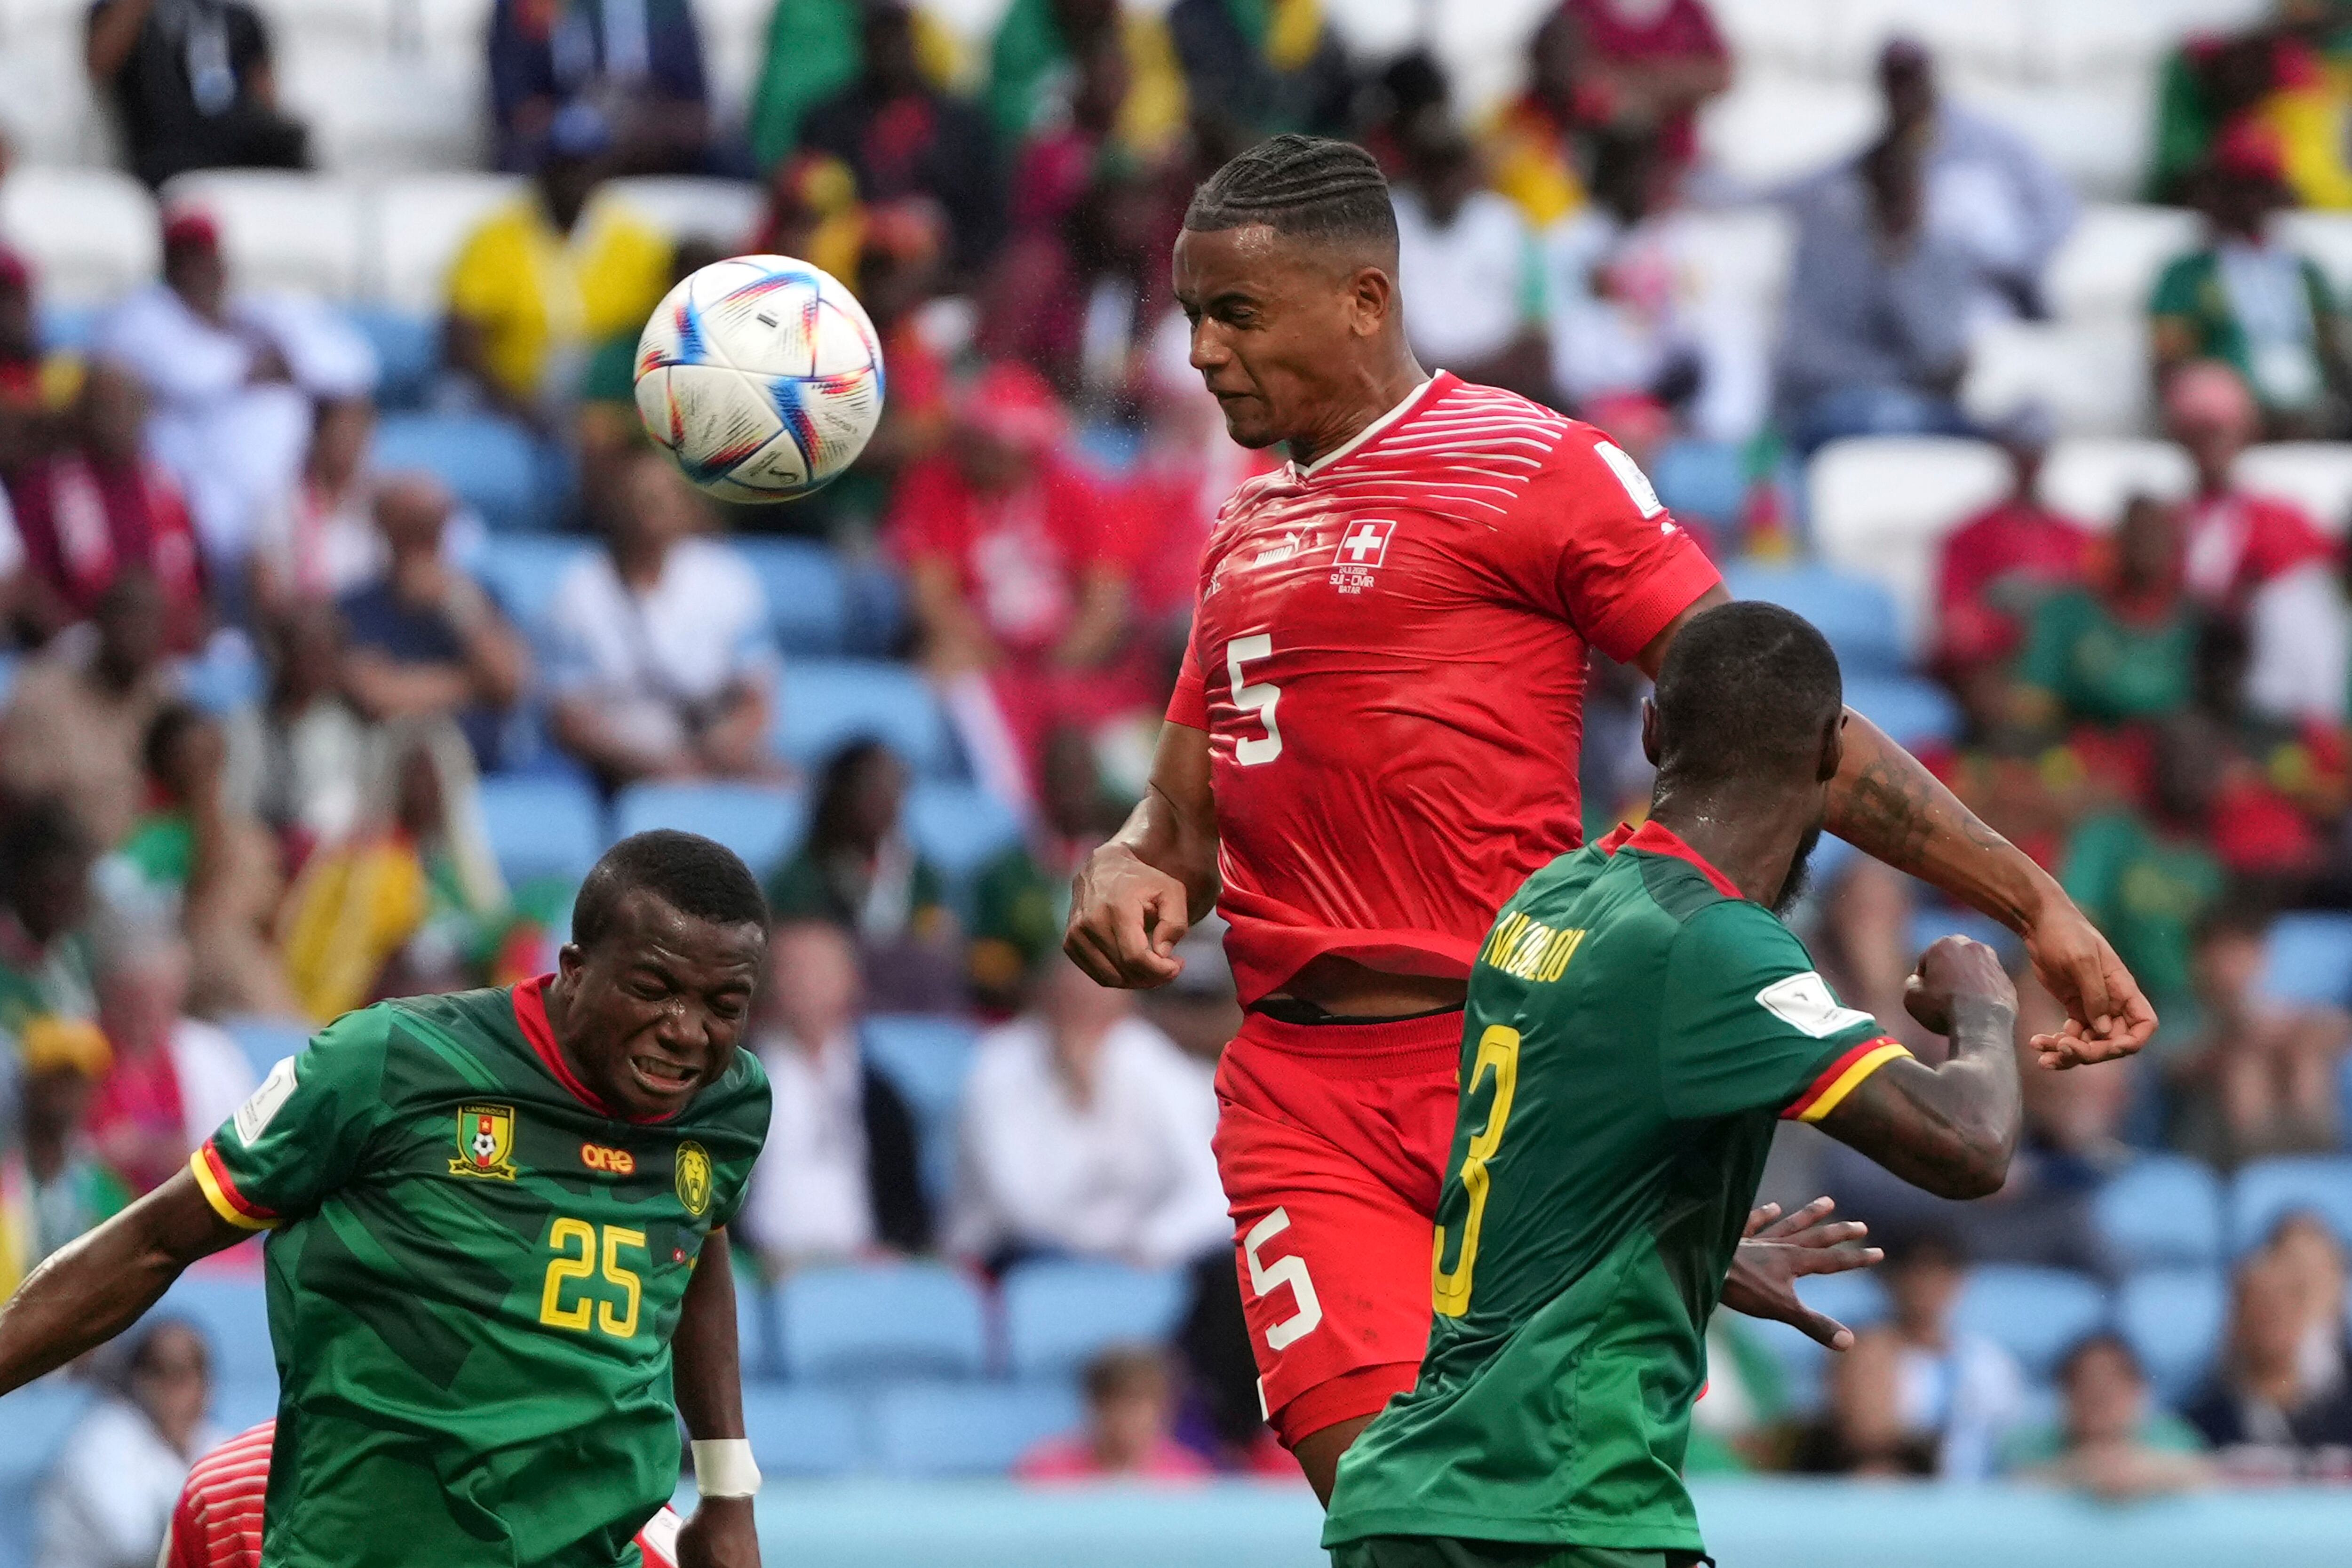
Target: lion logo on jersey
(485, 1141)
(693, 1178)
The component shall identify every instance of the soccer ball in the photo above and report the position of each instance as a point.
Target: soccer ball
(762, 376)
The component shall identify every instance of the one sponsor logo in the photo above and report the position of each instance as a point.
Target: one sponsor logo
(693, 1178)
(1363, 546)
(612, 1162)
(485, 1141)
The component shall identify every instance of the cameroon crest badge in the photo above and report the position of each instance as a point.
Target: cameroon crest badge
(485, 1141)
(693, 1178)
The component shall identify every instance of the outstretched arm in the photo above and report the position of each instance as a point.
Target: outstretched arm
(1952, 1129)
(98, 1285)
(1135, 897)
(707, 1373)
(1886, 804)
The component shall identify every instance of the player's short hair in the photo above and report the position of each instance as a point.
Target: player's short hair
(1747, 691)
(1302, 188)
(693, 874)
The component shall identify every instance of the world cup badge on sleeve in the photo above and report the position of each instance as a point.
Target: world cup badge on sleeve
(485, 1141)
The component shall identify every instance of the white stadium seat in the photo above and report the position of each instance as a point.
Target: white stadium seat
(447, 32)
(1979, 37)
(2314, 475)
(92, 233)
(1483, 47)
(2327, 238)
(1764, 132)
(302, 25)
(1783, 37)
(300, 233)
(686, 208)
(1881, 506)
(47, 107)
(420, 222)
(2074, 39)
(2091, 479)
(372, 113)
(2095, 133)
(2092, 374)
(2109, 264)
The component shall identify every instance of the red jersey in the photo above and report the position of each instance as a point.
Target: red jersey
(1388, 657)
(2236, 542)
(1023, 557)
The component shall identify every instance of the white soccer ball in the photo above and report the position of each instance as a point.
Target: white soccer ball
(762, 376)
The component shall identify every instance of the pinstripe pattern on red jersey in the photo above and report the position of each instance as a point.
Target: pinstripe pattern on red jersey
(217, 1523)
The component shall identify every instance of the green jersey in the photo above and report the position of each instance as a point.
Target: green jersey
(1634, 1027)
(474, 1273)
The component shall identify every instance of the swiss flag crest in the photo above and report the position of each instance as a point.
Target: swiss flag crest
(1364, 543)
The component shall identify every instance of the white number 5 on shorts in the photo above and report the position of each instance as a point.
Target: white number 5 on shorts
(1265, 1277)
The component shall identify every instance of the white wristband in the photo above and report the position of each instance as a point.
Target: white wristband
(723, 1466)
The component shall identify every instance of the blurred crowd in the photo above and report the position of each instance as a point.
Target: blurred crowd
(259, 675)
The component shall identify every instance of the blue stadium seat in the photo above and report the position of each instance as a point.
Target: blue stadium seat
(1057, 1314)
(807, 600)
(877, 602)
(905, 1320)
(2032, 1313)
(804, 1431)
(959, 827)
(2269, 1190)
(1705, 481)
(759, 822)
(1914, 712)
(520, 570)
(2308, 958)
(926, 1060)
(232, 1309)
(407, 352)
(542, 825)
(925, 1430)
(2173, 1318)
(828, 702)
(1855, 613)
(488, 463)
(68, 329)
(755, 1326)
(2163, 1209)
(266, 1042)
(34, 1422)
(226, 677)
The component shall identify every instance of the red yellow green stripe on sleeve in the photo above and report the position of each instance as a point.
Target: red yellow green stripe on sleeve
(220, 1191)
(1841, 1078)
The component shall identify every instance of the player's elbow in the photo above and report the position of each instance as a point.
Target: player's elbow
(1977, 1164)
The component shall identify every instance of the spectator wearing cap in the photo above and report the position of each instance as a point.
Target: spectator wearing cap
(2258, 559)
(549, 276)
(99, 506)
(1264, 66)
(194, 85)
(2247, 298)
(108, 1501)
(231, 379)
(2110, 1439)
(639, 61)
(53, 1185)
(1017, 575)
(1997, 567)
(901, 136)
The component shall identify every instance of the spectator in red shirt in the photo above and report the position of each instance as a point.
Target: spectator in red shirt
(1019, 584)
(2000, 562)
(100, 504)
(1648, 65)
(1130, 1406)
(2258, 558)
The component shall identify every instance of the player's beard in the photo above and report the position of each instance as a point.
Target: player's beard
(1792, 886)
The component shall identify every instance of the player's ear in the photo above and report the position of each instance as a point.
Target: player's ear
(569, 959)
(1650, 731)
(1373, 299)
(1832, 747)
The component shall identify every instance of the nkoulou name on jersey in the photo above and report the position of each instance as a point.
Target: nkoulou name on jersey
(1389, 655)
(474, 1273)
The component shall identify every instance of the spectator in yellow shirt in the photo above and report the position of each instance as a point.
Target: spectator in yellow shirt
(545, 279)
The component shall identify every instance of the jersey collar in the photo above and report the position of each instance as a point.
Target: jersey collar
(531, 1016)
(1378, 427)
(1657, 838)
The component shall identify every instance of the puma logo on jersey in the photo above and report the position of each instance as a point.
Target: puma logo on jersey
(1294, 541)
(1530, 950)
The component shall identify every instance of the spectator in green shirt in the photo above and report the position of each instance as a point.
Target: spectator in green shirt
(2111, 1441)
(1021, 900)
(2121, 651)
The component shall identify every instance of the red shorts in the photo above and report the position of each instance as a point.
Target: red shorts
(1332, 1140)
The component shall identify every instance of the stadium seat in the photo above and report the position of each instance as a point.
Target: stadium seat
(2307, 958)
(2314, 475)
(1789, 37)
(2267, 1191)
(2162, 1210)
(827, 703)
(1854, 612)
(930, 1430)
(91, 235)
(866, 1323)
(958, 827)
(925, 1059)
(350, 26)
(448, 31)
(2108, 265)
(34, 1422)
(486, 462)
(1764, 132)
(2096, 134)
(407, 352)
(759, 822)
(2173, 1318)
(522, 570)
(1880, 506)
(688, 207)
(1915, 711)
(47, 110)
(375, 113)
(2092, 478)
(1057, 1314)
(421, 221)
(807, 599)
(294, 233)
(541, 825)
(2091, 373)
(755, 1326)
(231, 1308)
(266, 1042)
(2034, 1313)
(804, 1431)
(2325, 238)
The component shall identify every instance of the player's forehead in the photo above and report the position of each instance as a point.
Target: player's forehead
(1254, 262)
(649, 932)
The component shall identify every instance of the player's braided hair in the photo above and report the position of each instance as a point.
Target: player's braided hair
(693, 874)
(1307, 187)
(1745, 693)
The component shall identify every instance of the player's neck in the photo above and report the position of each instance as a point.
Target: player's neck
(1366, 398)
(1752, 841)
